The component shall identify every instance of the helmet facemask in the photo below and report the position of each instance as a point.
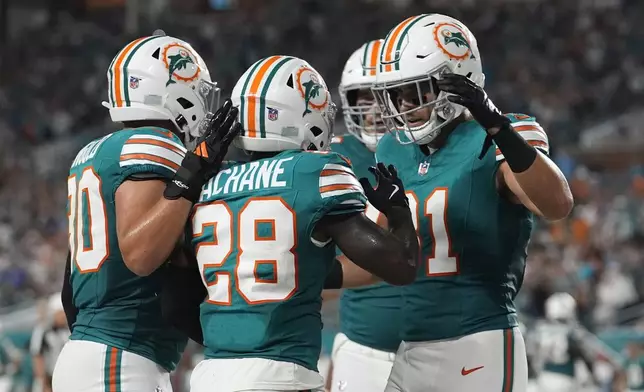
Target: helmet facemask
(415, 110)
(362, 115)
(190, 117)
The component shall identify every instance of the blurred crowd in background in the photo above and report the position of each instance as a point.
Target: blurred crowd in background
(573, 64)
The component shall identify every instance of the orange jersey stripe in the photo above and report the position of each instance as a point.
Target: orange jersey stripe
(167, 134)
(155, 143)
(528, 128)
(392, 41)
(252, 95)
(333, 172)
(152, 158)
(118, 73)
(112, 382)
(338, 187)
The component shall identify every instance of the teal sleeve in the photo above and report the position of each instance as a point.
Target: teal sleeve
(149, 151)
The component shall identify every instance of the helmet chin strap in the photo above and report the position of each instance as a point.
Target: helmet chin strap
(180, 122)
(439, 120)
(370, 140)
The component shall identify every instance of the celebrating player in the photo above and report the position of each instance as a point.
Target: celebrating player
(474, 207)
(364, 350)
(265, 231)
(130, 196)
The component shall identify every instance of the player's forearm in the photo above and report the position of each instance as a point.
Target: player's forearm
(399, 249)
(536, 176)
(547, 188)
(401, 225)
(147, 244)
(376, 250)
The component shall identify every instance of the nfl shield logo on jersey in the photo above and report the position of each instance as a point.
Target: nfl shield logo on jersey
(134, 82)
(272, 114)
(422, 168)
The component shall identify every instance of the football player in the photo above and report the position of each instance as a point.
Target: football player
(363, 352)
(130, 194)
(475, 178)
(264, 234)
(559, 345)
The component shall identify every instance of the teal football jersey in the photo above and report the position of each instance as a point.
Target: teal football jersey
(556, 348)
(264, 271)
(473, 241)
(115, 306)
(370, 316)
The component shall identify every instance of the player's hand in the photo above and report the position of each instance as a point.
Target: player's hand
(221, 129)
(474, 98)
(204, 162)
(389, 191)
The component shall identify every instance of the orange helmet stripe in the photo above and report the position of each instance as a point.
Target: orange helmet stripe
(251, 123)
(391, 40)
(373, 60)
(118, 72)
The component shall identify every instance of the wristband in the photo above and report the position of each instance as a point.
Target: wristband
(517, 152)
(187, 181)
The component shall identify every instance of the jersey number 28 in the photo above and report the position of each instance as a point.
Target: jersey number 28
(275, 250)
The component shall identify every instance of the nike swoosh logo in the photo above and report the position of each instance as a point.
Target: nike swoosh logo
(396, 188)
(465, 372)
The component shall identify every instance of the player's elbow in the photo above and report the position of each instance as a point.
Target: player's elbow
(560, 207)
(137, 262)
(403, 274)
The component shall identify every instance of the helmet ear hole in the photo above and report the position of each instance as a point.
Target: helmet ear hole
(184, 103)
(316, 131)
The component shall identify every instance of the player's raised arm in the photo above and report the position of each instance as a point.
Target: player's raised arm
(151, 214)
(531, 176)
(391, 255)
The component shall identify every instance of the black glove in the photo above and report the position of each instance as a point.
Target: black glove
(204, 162)
(517, 152)
(389, 191)
(474, 98)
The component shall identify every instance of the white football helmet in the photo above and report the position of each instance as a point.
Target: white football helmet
(360, 74)
(161, 78)
(561, 307)
(414, 55)
(284, 104)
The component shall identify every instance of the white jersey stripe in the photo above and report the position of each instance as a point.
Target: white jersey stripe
(333, 166)
(161, 152)
(340, 192)
(161, 139)
(131, 162)
(339, 179)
